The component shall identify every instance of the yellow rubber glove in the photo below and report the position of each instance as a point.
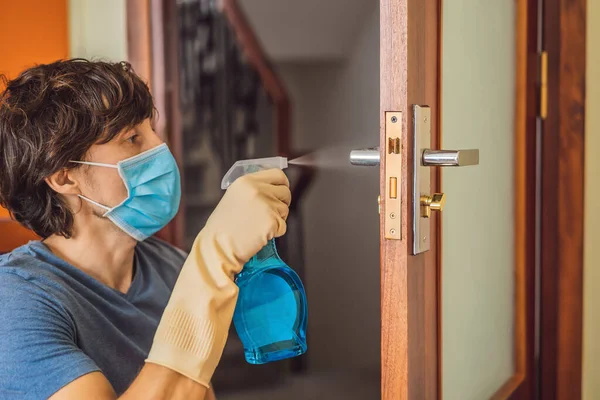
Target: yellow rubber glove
(193, 329)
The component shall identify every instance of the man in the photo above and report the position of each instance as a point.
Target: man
(99, 308)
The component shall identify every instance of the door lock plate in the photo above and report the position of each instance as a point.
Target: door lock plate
(423, 159)
(393, 175)
(421, 178)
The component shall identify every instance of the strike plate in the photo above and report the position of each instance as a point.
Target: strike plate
(393, 175)
(421, 176)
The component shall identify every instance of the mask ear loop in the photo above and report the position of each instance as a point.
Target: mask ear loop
(96, 164)
(102, 206)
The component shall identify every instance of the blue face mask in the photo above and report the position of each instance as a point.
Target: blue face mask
(153, 192)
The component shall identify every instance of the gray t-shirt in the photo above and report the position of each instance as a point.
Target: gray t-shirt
(57, 323)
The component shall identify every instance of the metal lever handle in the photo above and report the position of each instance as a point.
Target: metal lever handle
(365, 157)
(450, 158)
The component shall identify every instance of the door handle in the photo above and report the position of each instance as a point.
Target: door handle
(443, 158)
(423, 157)
(365, 157)
(424, 202)
(450, 158)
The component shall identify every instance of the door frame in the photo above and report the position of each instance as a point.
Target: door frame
(562, 194)
(410, 65)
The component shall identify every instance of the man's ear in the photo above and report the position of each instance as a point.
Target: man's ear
(64, 182)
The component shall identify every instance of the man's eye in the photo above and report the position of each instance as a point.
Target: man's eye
(133, 138)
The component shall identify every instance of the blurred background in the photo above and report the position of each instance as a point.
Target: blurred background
(236, 79)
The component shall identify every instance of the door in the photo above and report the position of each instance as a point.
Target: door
(457, 285)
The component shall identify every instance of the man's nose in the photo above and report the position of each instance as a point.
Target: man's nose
(154, 140)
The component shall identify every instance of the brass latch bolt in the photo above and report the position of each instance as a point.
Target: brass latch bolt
(394, 145)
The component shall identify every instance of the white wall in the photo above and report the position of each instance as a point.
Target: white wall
(591, 299)
(337, 105)
(97, 29)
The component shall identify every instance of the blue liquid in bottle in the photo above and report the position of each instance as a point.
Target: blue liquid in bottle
(271, 313)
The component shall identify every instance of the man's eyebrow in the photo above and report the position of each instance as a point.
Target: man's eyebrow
(127, 131)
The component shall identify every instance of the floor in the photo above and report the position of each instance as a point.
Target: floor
(347, 386)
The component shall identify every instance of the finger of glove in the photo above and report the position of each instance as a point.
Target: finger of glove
(274, 176)
(279, 226)
(282, 209)
(281, 193)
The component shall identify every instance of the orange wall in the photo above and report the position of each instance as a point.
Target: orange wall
(31, 32)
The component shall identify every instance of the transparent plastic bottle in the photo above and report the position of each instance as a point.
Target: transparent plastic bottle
(270, 315)
(271, 312)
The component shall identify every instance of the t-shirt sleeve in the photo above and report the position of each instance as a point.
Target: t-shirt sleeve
(38, 351)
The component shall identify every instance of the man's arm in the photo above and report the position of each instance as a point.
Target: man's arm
(194, 326)
(153, 383)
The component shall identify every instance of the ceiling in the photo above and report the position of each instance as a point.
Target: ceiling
(307, 30)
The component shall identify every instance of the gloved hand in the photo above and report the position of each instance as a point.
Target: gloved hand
(193, 329)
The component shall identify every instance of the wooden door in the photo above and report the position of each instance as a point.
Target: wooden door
(458, 319)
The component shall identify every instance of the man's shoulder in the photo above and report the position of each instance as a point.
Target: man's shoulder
(38, 348)
(24, 263)
(33, 272)
(29, 280)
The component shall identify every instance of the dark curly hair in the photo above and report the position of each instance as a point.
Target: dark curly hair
(54, 113)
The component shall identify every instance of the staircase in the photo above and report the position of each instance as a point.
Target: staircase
(223, 101)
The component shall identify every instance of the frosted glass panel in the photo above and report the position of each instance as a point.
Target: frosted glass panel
(478, 101)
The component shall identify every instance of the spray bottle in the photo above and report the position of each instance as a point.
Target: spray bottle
(271, 312)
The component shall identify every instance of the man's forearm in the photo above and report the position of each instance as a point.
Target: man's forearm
(157, 383)
(153, 383)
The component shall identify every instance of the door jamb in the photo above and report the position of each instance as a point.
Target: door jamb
(562, 194)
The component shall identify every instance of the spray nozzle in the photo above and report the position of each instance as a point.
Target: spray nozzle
(243, 167)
